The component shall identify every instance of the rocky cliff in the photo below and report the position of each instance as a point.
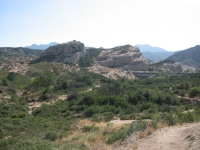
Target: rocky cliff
(69, 52)
(125, 57)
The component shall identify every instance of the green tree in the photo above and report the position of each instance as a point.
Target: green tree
(5, 82)
(45, 81)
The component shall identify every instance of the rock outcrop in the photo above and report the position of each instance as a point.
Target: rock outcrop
(125, 57)
(113, 73)
(69, 52)
(175, 67)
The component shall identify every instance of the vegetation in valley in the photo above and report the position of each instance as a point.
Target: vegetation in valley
(82, 119)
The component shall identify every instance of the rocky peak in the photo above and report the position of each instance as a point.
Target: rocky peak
(125, 57)
(69, 52)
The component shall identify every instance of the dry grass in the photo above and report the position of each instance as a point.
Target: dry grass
(146, 132)
(97, 139)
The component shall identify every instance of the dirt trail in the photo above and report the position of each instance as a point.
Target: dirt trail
(182, 137)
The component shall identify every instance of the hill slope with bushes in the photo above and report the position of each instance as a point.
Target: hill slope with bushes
(190, 56)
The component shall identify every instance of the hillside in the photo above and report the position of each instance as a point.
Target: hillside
(42, 46)
(9, 54)
(190, 56)
(154, 53)
(112, 63)
(55, 105)
(19, 51)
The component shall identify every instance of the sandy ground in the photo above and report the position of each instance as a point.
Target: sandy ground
(181, 137)
(127, 121)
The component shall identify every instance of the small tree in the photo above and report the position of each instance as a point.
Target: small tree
(44, 81)
(5, 82)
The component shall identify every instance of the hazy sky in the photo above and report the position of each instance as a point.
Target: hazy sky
(170, 24)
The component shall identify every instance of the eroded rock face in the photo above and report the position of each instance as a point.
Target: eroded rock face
(175, 67)
(113, 73)
(126, 57)
(69, 52)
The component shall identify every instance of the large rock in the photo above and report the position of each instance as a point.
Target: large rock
(69, 52)
(125, 57)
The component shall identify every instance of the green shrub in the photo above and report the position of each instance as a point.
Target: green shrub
(51, 135)
(123, 117)
(108, 116)
(188, 117)
(171, 119)
(155, 119)
(125, 131)
(97, 118)
(5, 82)
(194, 91)
(67, 127)
(117, 135)
(12, 76)
(27, 144)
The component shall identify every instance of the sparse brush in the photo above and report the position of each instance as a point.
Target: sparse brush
(92, 128)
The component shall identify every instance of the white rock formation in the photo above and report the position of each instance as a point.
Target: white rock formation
(113, 73)
(126, 57)
(69, 52)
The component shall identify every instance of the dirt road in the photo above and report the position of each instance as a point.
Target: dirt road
(182, 137)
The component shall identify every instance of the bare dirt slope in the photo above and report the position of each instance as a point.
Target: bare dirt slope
(182, 137)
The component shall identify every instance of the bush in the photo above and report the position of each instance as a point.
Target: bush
(51, 135)
(5, 82)
(26, 144)
(123, 132)
(117, 135)
(108, 116)
(186, 117)
(12, 76)
(72, 96)
(123, 117)
(171, 119)
(195, 92)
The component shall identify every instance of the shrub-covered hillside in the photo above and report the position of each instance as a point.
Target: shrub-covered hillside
(81, 119)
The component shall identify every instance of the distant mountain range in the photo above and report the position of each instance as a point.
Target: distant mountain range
(149, 48)
(19, 51)
(190, 56)
(42, 46)
(148, 51)
(154, 53)
(157, 56)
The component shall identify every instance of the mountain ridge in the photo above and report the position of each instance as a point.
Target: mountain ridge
(146, 47)
(157, 56)
(42, 46)
(190, 56)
